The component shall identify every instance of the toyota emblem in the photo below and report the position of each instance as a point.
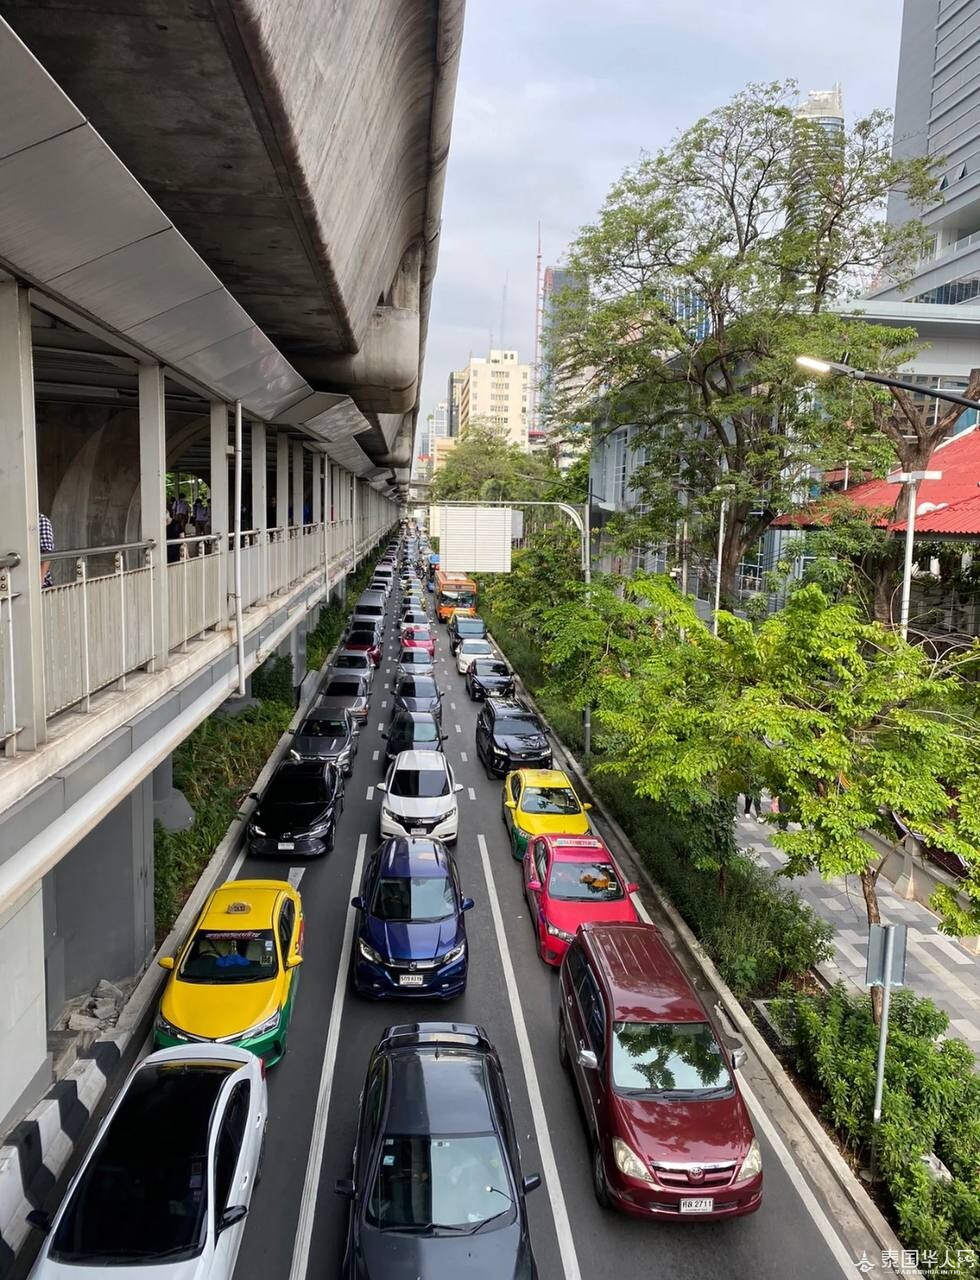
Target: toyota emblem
(696, 1174)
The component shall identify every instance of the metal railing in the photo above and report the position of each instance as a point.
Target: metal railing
(192, 589)
(9, 728)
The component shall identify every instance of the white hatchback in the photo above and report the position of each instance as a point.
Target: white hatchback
(470, 649)
(164, 1190)
(419, 797)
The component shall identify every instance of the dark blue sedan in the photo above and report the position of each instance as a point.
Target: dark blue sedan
(411, 934)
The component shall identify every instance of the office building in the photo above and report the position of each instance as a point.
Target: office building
(439, 421)
(453, 392)
(497, 390)
(818, 143)
(442, 447)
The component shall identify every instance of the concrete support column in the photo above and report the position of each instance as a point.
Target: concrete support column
(317, 488)
(219, 503)
(260, 499)
(25, 1068)
(153, 500)
(298, 458)
(25, 704)
(282, 479)
(170, 806)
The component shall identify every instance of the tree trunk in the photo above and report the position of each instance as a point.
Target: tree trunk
(869, 887)
(732, 553)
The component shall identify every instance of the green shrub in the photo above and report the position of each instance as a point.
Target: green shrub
(214, 768)
(273, 681)
(333, 617)
(930, 1103)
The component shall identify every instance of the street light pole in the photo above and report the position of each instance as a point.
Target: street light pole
(912, 479)
(726, 489)
(836, 368)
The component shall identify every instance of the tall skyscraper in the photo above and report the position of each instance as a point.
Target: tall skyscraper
(562, 442)
(453, 393)
(497, 389)
(818, 141)
(440, 421)
(937, 112)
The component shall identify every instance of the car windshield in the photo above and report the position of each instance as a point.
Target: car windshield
(422, 784)
(296, 788)
(415, 657)
(585, 882)
(230, 955)
(458, 599)
(516, 725)
(425, 1182)
(488, 667)
(415, 731)
(549, 800)
(144, 1193)
(351, 661)
(475, 647)
(324, 729)
(420, 633)
(342, 689)
(682, 1059)
(417, 688)
(415, 898)
(470, 626)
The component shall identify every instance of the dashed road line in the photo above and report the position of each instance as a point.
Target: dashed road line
(472, 793)
(384, 703)
(375, 755)
(458, 728)
(370, 793)
(381, 726)
(463, 757)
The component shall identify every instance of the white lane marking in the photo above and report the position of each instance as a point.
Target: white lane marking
(370, 793)
(472, 793)
(458, 729)
(386, 684)
(387, 671)
(384, 703)
(799, 1184)
(314, 1161)
(236, 866)
(381, 726)
(452, 706)
(375, 754)
(563, 1229)
(295, 876)
(462, 756)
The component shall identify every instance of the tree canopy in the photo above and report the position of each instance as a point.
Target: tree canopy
(485, 465)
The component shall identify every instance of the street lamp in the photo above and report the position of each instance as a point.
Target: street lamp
(912, 479)
(725, 489)
(836, 369)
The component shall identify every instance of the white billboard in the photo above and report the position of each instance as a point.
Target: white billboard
(473, 539)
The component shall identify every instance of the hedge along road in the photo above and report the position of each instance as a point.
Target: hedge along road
(297, 1226)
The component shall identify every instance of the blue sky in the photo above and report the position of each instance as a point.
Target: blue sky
(556, 97)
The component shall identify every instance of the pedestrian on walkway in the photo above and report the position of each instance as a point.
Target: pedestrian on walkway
(753, 801)
(45, 534)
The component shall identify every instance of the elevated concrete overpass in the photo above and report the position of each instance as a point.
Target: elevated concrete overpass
(218, 231)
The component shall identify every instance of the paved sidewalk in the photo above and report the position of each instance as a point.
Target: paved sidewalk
(937, 966)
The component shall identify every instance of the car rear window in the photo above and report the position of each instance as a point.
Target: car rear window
(342, 689)
(414, 731)
(416, 657)
(369, 611)
(230, 955)
(362, 637)
(351, 661)
(673, 1059)
(470, 627)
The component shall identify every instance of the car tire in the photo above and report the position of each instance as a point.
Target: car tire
(600, 1187)
(563, 1058)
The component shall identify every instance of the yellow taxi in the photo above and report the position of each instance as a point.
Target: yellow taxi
(234, 980)
(541, 802)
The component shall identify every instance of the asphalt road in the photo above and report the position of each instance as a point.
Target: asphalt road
(297, 1225)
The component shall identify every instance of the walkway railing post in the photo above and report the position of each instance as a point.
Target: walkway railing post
(153, 501)
(219, 504)
(119, 565)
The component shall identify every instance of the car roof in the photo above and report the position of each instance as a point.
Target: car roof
(414, 856)
(242, 902)
(643, 980)
(434, 760)
(574, 848)
(544, 778)
(438, 1089)
(510, 707)
(416, 717)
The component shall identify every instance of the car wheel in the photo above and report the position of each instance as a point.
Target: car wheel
(563, 1058)
(599, 1184)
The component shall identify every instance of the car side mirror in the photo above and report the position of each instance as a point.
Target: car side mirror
(253, 795)
(443, 736)
(739, 1057)
(166, 962)
(511, 804)
(534, 885)
(632, 887)
(531, 1182)
(458, 787)
(294, 961)
(345, 1187)
(466, 904)
(587, 1059)
(234, 1213)
(39, 1220)
(381, 786)
(384, 733)
(586, 805)
(357, 903)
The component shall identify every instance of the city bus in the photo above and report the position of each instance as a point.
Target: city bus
(454, 591)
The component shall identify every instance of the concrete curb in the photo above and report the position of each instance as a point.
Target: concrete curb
(855, 1212)
(37, 1151)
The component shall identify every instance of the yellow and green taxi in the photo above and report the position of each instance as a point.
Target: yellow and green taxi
(541, 802)
(234, 980)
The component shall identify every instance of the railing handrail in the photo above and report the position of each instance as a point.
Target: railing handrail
(10, 561)
(198, 537)
(79, 552)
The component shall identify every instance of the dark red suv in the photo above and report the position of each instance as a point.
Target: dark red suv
(671, 1135)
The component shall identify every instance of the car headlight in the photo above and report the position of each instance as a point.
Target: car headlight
(255, 829)
(260, 1028)
(390, 813)
(444, 817)
(451, 957)
(629, 1163)
(167, 1028)
(320, 829)
(558, 933)
(752, 1164)
(368, 952)
(499, 751)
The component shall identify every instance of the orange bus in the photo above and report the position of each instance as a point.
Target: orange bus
(454, 592)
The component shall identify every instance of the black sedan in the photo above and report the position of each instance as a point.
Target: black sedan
(462, 628)
(417, 693)
(437, 1186)
(412, 731)
(298, 814)
(510, 736)
(489, 677)
(328, 733)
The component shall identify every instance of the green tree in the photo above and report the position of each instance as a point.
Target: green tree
(709, 272)
(485, 465)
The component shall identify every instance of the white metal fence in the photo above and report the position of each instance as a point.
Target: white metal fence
(192, 589)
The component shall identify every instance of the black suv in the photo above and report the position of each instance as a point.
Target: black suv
(461, 629)
(437, 1186)
(412, 731)
(510, 736)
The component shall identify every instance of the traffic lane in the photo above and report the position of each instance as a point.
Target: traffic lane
(781, 1238)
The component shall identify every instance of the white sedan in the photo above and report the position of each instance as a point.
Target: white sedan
(470, 649)
(419, 797)
(164, 1190)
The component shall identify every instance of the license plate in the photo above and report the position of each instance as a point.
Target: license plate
(409, 979)
(703, 1205)
(287, 844)
(417, 831)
